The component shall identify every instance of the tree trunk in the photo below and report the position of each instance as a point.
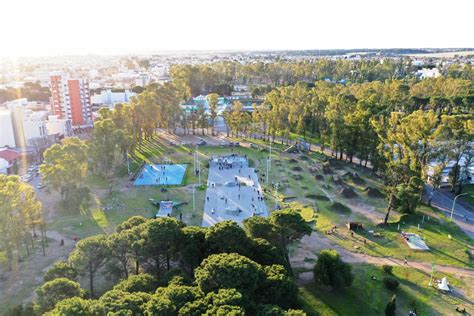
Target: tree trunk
(124, 263)
(137, 266)
(91, 282)
(389, 208)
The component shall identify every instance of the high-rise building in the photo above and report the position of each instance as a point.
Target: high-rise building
(7, 133)
(70, 99)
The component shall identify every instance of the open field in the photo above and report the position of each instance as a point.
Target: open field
(369, 297)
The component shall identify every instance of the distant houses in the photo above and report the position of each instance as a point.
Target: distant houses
(466, 173)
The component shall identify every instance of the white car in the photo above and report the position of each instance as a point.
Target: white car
(27, 177)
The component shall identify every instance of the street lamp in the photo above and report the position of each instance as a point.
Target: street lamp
(454, 202)
(194, 200)
(432, 271)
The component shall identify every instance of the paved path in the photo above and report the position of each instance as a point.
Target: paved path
(226, 199)
(462, 216)
(314, 243)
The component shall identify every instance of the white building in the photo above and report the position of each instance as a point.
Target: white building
(7, 134)
(143, 80)
(35, 125)
(108, 97)
(21, 127)
(59, 126)
(428, 73)
(4, 165)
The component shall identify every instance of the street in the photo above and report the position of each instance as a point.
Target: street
(463, 217)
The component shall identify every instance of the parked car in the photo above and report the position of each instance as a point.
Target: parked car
(201, 142)
(255, 146)
(27, 177)
(224, 144)
(40, 186)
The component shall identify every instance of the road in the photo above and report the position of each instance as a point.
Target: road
(462, 216)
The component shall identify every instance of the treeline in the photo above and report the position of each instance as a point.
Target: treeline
(162, 267)
(221, 76)
(21, 222)
(31, 90)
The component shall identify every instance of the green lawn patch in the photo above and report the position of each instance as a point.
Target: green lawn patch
(369, 297)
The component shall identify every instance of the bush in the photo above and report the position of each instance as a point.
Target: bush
(388, 269)
(331, 271)
(391, 283)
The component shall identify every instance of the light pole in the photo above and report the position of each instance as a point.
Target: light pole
(454, 202)
(198, 165)
(270, 156)
(194, 202)
(432, 271)
(268, 169)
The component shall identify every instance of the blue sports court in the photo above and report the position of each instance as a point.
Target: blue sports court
(161, 174)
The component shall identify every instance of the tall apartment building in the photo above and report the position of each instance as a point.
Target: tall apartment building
(70, 99)
(7, 133)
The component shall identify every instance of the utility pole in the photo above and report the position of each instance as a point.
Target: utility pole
(454, 202)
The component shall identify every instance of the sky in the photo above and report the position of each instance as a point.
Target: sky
(64, 27)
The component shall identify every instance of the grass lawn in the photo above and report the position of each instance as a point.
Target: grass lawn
(443, 250)
(369, 297)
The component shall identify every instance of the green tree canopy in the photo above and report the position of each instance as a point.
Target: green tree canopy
(55, 291)
(89, 256)
(331, 271)
(225, 271)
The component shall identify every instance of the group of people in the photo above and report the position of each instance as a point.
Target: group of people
(228, 163)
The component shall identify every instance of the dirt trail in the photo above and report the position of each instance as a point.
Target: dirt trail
(366, 210)
(28, 275)
(312, 244)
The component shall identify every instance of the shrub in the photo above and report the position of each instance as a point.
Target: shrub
(388, 269)
(390, 283)
(331, 271)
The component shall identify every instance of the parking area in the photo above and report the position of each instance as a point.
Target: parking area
(233, 191)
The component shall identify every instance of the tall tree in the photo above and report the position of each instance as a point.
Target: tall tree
(65, 167)
(89, 256)
(20, 215)
(213, 100)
